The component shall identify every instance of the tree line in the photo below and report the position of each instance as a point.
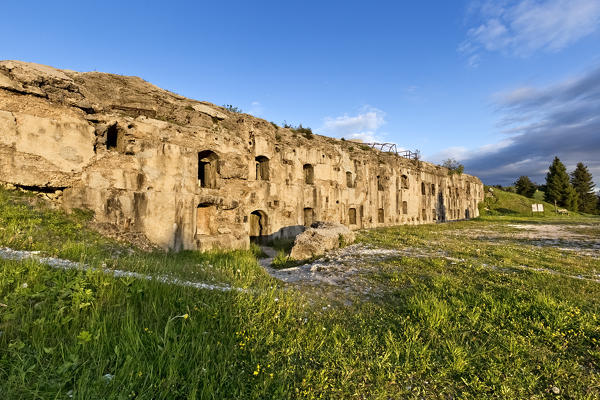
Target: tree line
(573, 191)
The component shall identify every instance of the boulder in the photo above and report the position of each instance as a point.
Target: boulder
(319, 238)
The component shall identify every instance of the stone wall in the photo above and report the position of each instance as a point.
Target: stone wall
(192, 175)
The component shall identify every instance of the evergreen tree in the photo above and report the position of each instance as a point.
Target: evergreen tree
(558, 186)
(571, 199)
(582, 182)
(525, 187)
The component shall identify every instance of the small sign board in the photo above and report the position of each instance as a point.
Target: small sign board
(537, 208)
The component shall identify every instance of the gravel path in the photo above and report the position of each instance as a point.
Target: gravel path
(19, 255)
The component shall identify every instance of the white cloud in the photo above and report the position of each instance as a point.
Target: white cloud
(457, 153)
(367, 137)
(460, 153)
(523, 27)
(364, 125)
(561, 119)
(256, 108)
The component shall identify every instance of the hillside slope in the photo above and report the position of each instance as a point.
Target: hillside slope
(499, 202)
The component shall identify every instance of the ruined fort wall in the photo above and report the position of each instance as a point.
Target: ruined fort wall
(191, 175)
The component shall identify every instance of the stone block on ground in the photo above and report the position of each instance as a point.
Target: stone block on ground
(319, 238)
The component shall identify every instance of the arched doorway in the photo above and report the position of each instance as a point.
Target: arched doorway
(258, 226)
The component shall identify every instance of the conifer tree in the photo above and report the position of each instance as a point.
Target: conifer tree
(525, 187)
(558, 186)
(571, 199)
(582, 182)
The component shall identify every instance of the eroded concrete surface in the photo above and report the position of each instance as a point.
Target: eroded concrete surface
(192, 175)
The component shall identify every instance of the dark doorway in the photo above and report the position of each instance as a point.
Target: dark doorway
(258, 226)
(262, 168)
(207, 169)
(112, 137)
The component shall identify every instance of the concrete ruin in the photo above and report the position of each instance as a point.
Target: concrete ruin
(191, 175)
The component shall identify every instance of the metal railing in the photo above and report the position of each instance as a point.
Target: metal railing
(391, 148)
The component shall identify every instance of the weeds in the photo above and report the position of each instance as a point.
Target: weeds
(305, 131)
(465, 325)
(232, 109)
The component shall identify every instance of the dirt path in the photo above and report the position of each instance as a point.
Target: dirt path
(268, 260)
(577, 238)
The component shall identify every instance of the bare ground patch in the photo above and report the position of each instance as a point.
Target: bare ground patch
(350, 270)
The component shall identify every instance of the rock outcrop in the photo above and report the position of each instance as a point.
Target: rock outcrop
(191, 175)
(319, 238)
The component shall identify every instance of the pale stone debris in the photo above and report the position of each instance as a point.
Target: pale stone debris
(59, 263)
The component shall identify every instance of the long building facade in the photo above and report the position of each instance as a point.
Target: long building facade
(192, 175)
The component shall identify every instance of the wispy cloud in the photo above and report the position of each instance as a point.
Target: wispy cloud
(558, 120)
(256, 108)
(522, 27)
(364, 125)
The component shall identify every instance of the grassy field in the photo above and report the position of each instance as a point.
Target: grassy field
(479, 311)
(499, 202)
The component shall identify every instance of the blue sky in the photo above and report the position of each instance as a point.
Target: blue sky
(502, 86)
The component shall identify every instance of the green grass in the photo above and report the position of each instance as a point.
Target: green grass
(466, 325)
(283, 260)
(507, 203)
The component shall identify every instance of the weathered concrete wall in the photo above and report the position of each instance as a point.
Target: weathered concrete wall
(191, 175)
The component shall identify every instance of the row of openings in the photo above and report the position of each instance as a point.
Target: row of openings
(206, 217)
(380, 214)
(206, 214)
(403, 183)
(206, 221)
(208, 162)
(424, 214)
(207, 171)
(424, 188)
